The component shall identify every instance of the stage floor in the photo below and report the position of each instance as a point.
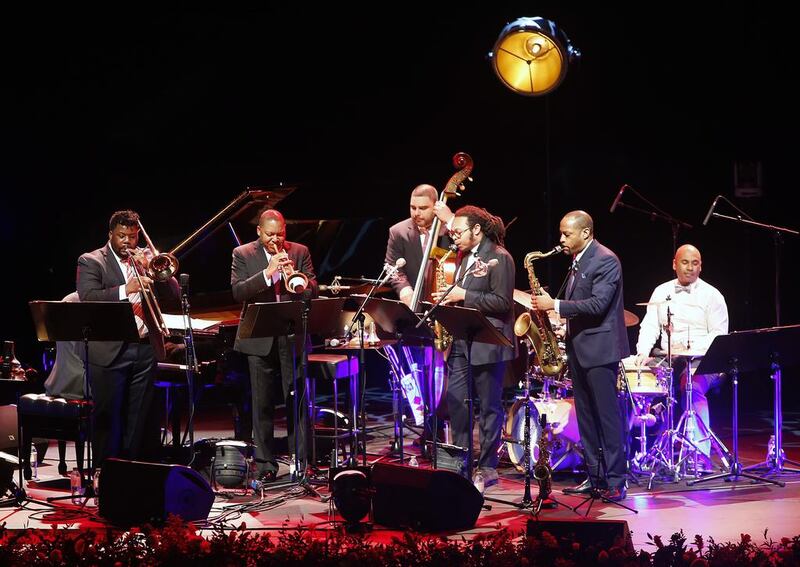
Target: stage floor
(718, 509)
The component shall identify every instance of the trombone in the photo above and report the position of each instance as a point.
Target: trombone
(160, 268)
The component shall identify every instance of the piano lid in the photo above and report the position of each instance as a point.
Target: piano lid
(351, 246)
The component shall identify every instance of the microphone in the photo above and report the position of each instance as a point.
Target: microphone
(492, 263)
(391, 271)
(618, 197)
(711, 210)
(184, 280)
(335, 342)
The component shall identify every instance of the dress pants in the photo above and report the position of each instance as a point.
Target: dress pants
(599, 421)
(266, 373)
(488, 387)
(123, 395)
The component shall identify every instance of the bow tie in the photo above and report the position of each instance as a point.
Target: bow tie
(679, 288)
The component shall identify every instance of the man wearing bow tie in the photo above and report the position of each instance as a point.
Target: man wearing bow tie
(698, 314)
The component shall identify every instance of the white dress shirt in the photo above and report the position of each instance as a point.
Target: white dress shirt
(698, 316)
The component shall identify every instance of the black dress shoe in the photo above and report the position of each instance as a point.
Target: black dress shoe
(583, 488)
(615, 493)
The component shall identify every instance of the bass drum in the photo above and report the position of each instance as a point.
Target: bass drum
(564, 453)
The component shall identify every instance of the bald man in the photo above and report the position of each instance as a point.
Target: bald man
(699, 314)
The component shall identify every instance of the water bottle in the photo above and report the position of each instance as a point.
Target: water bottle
(771, 448)
(76, 486)
(96, 487)
(34, 461)
(413, 462)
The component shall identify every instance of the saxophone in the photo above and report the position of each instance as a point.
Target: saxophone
(535, 325)
(541, 470)
(442, 339)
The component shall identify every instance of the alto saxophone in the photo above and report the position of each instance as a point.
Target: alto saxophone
(535, 325)
(442, 339)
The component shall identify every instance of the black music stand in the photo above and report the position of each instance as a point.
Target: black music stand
(743, 352)
(397, 319)
(84, 321)
(470, 325)
(277, 319)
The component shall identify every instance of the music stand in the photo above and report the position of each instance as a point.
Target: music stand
(743, 352)
(397, 319)
(277, 319)
(470, 325)
(84, 321)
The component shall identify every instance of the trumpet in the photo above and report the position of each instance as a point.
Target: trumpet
(295, 282)
(162, 266)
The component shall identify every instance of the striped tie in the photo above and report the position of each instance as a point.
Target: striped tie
(136, 301)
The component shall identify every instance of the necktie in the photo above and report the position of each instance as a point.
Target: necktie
(572, 271)
(679, 288)
(135, 300)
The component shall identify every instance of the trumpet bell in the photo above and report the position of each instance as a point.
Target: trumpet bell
(163, 267)
(297, 282)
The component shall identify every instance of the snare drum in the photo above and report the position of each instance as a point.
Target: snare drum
(560, 414)
(642, 380)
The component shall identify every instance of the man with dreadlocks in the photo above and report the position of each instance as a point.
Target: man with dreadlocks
(488, 287)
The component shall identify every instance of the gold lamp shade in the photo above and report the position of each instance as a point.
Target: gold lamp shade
(531, 56)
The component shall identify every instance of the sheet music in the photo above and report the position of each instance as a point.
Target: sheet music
(176, 322)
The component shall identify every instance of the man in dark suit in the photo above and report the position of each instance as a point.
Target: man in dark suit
(121, 374)
(596, 342)
(256, 277)
(407, 239)
(489, 289)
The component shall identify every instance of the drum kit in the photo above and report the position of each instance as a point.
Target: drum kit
(648, 395)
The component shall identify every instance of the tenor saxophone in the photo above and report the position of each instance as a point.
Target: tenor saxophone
(442, 339)
(535, 325)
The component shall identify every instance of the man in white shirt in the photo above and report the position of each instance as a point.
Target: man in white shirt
(698, 314)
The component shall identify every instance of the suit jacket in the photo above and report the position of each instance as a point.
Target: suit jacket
(99, 278)
(249, 286)
(404, 242)
(492, 295)
(594, 307)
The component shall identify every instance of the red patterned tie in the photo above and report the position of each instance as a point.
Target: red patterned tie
(135, 300)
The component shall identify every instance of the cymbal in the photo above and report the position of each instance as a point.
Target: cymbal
(630, 319)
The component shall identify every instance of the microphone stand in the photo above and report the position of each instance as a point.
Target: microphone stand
(777, 234)
(426, 317)
(358, 318)
(657, 213)
(191, 362)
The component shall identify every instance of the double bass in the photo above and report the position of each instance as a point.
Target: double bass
(431, 280)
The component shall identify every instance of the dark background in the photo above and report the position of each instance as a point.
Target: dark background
(173, 115)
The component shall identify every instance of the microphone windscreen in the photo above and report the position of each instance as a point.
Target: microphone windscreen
(184, 280)
(400, 262)
(493, 262)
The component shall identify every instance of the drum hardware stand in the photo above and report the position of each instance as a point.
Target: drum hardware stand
(641, 454)
(686, 427)
(775, 455)
(527, 502)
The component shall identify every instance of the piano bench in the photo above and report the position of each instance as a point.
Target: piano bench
(40, 415)
(331, 368)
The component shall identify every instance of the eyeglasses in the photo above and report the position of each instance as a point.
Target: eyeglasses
(457, 232)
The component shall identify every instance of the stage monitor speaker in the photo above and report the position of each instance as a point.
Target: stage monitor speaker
(603, 533)
(426, 500)
(133, 492)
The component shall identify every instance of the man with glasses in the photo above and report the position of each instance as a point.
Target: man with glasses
(488, 275)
